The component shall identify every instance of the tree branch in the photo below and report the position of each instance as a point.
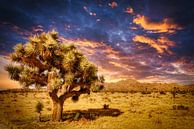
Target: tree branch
(73, 93)
(35, 62)
(39, 79)
(53, 95)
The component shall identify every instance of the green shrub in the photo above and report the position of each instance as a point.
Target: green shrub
(77, 115)
(39, 108)
(105, 106)
(162, 92)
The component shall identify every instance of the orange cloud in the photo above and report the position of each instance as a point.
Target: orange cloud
(166, 25)
(162, 44)
(116, 64)
(133, 28)
(112, 76)
(129, 10)
(120, 65)
(90, 47)
(82, 42)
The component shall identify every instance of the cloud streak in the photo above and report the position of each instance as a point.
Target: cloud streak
(167, 25)
(161, 45)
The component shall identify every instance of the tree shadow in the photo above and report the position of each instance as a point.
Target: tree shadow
(90, 114)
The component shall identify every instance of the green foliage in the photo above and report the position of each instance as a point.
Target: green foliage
(77, 115)
(27, 76)
(69, 78)
(65, 64)
(30, 49)
(19, 48)
(15, 57)
(56, 83)
(105, 106)
(14, 71)
(39, 108)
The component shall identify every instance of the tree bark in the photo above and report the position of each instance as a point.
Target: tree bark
(59, 101)
(57, 106)
(57, 110)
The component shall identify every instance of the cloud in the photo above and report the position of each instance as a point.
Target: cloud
(38, 29)
(120, 65)
(161, 45)
(24, 33)
(167, 25)
(110, 75)
(86, 46)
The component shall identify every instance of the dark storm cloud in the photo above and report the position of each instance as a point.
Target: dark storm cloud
(180, 10)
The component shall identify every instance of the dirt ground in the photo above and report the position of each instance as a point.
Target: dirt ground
(122, 111)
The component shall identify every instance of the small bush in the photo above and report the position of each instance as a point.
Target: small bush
(39, 108)
(162, 92)
(174, 92)
(133, 91)
(75, 98)
(180, 107)
(182, 92)
(105, 106)
(192, 92)
(77, 115)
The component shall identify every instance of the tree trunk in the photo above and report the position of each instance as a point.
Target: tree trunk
(57, 110)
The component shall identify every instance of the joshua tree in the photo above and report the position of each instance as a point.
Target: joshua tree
(45, 61)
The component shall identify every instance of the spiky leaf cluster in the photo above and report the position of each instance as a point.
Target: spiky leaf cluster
(44, 56)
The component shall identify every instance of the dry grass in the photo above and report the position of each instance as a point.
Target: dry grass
(134, 111)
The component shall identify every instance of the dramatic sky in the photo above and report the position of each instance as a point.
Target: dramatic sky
(148, 40)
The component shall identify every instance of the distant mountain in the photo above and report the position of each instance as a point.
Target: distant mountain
(134, 85)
